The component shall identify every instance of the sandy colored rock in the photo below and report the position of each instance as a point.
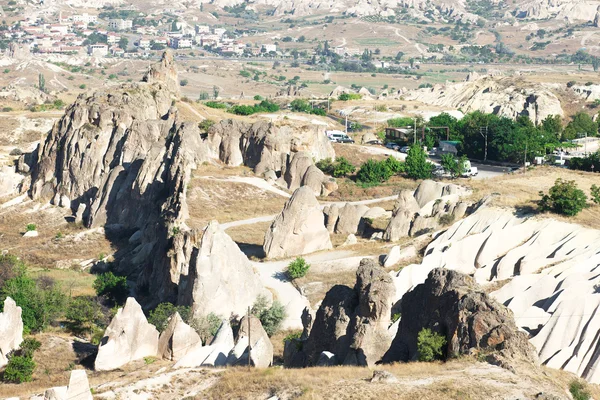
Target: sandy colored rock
(350, 219)
(298, 229)
(261, 355)
(129, 337)
(177, 339)
(221, 278)
(11, 329)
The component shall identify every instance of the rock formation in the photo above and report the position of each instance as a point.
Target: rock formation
(502, 96)
(220, 278)
(129, 337)
(215, 354)
(299, 228)
(300, 170)
(78, 389)
(452, 304)
(177, 339)
(352, 324)
(265, 146)
(261, 354)
(11, 329)
(122, 159)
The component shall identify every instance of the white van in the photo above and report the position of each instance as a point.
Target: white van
(339, 137)
(469, 170)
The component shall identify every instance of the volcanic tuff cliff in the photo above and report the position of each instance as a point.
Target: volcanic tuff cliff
(122, 159)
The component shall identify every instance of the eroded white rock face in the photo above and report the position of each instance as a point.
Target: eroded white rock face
(129, 337)
(499, 95)
(221, 278)
(215, 354)
(177, 339)
(78, 389)
(551, 268)
(299, 228)
(11, 329)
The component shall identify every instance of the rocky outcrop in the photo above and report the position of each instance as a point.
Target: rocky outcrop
(425, 210)
(298, 229)
(164, 72)
(265, 146)
(452, 304)
(300, 170)
(220, 278)
(11, 329)
(213, 355)
(597, 18)
(350, 219)
(177, 339)
(503, 96)
(261, 348)
(351, 324)
(129, 337)
(78, 389)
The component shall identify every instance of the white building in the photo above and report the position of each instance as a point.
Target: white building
(181, 43)
(120, 24)
(112, 38)
(98, 50)
(144, 43)
(85, 18)
(219, 31)
(269, 48)
(202, 29)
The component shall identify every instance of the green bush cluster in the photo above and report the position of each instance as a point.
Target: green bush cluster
(300, 105)
(595, 194)
(454, 166)
(112, 287)
(338, 168)
(430, 345)
(20, 365)
(563, 198)
(216, 104)
(270, 317)
(263, 106)
(159, 317)
(375, 172)
(416, 165)
(579, 391)
(298, 268)
(86, 315)
(349, 96)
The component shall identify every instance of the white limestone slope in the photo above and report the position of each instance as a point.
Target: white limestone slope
(553, 270)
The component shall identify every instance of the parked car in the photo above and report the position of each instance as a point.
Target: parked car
(374, 142)
(393, 146)
(339, 137)
(404, 149)
(345, 139)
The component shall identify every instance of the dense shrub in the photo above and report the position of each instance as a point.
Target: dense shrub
(375, 172)
(263, 106)
(206, 124)
(595, 191)
(452, 165)
(579, 391)
(430, 345)
(270, 317)
(563, 198)
(41, 300)
(112, 286)
(206, 326)
(215, 104)
(159, 317)
(589, 163)
(85, 314)
(417, 166)
(10, 267)
(19, 369)
(300, 105)
(298, 268)
(349, 96)
(338, 168)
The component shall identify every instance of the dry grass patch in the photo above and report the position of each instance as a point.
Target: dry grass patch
(348, 190)
(521, 191)
(229, 201)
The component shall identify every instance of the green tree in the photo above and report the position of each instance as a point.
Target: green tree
(595, 194)
(123, 43)
(417, 166)
(581, 123)
(270, 317)
(552, 124)
(342, 167)
(85, 313)
(215, 92)
(297, 268)
(452, 165)
(19, 369)
(112, 286)
(563, 198)
(159, 317)
(430, 345)
(41, 82)
(373, 173)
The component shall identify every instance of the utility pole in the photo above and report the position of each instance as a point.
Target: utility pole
(249, 342)
(483, 131)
